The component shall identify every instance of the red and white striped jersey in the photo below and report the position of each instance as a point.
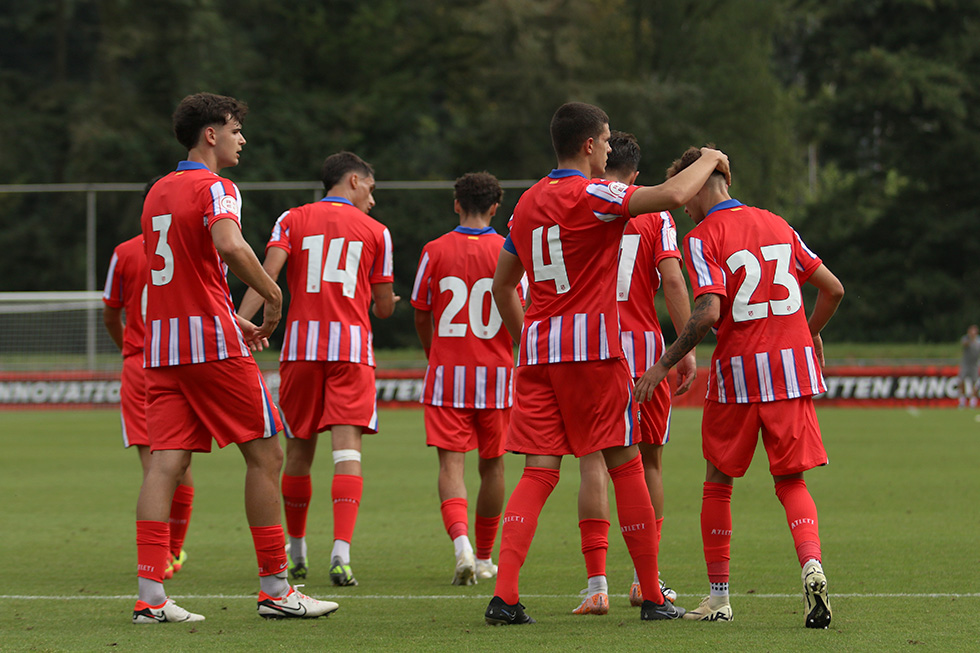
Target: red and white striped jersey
(471, 362)
(756, 263)
(336, 253)
(190, 317)
(648, 239)
(566, 230)
(125, 288)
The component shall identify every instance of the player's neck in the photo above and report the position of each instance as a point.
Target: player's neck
(204, 157)
(474, 221)
(582, 164)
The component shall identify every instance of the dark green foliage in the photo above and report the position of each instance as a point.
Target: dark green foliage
(880, 98)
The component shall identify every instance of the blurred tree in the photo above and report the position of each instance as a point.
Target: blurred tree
(892, 110)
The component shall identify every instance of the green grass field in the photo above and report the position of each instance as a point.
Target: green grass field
(899, 524)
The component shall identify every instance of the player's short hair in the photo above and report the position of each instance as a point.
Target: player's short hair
(573, 124)
(691, 155)
(624, 158)
(195, 112)
(477, 192)
(336, 166)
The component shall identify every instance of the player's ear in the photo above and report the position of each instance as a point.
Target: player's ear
(457, 207)
(493, 209)
(633, 178)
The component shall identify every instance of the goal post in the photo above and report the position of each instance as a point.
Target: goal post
(55, 331)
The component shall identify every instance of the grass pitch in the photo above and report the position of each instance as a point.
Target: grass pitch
(898, 512)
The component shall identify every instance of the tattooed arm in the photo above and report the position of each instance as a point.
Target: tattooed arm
(707, 310)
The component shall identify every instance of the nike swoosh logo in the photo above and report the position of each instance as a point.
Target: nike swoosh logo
(299, 610)
(507, 614)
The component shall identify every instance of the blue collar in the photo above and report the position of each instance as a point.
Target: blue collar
(561, 173)
(339, 200)
(721, 206)
(472, 231)
(191, 165)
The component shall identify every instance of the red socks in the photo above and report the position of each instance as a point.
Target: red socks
(346, 492)
(454, 517)
(486, 534)
(801, 515)
(180, 517)
(270, 549)
(716, 529)
(296, 494)
(595, 544)
(638, 523)
(152, 546)
(520, 522)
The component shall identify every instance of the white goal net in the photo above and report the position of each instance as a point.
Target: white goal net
(55, 331)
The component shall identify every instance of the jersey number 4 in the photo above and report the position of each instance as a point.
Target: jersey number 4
(474, 300)
(317, 270)
(554, 271)
(743, 309)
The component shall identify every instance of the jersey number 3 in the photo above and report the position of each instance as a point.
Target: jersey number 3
(743, 309)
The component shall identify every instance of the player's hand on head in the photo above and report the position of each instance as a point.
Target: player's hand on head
(722, 164)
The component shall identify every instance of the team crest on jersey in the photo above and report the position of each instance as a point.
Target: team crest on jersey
(618, 188)
(228, 204)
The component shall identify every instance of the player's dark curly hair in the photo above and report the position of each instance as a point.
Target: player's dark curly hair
(337, 165)
(477, 192)
(195, 112)
(573, 124)
(691, 155)
(624, 159)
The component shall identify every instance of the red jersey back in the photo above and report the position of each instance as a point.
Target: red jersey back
(337, 252)
(648, 239)
(756, 262)
(125, 288)
(190, 317)
(566, 231)
(471, 363)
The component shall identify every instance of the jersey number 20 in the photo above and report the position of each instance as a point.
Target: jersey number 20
(473, 299)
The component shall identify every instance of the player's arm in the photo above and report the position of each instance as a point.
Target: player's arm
(112, 318)
(275, 259)
(707, 310)
(830, 292)
(423, 327)
(241, 260)
(506, 294)
(384, 298)
(679, 308)
(680, 188)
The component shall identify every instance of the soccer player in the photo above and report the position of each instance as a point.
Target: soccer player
(573, 391)
(468, 387)
(341, 260)
(746, 267)
(649, 259)
(201, 380)
(122, 314)
(969, 376)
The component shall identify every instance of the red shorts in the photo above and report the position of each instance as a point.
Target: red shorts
(790, 433)
(572, 408)
(188, 405)
(316, 395)
(132, 402)
(654, 421)
(466, 429)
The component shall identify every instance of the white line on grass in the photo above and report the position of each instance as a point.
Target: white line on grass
(482, 597)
